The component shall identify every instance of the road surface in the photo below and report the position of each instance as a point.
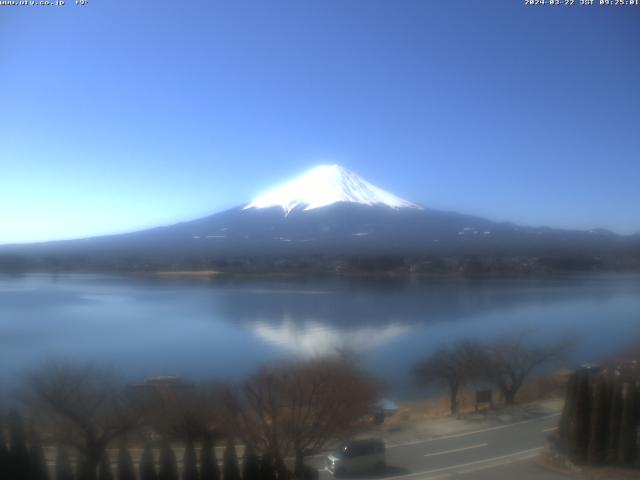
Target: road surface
(494, 453)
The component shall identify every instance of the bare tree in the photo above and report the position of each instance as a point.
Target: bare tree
(80, 406)
(300, 408)
(510, 362)
(452, 367)
(183, 410)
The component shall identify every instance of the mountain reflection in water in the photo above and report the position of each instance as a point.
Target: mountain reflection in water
(225, 329)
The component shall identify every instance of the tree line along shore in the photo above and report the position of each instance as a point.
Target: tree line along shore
(502, 264)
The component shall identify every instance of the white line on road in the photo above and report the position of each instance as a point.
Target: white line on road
(499, 463)
(464, 434)
(480, 445)
(509, 456)
(550, 429)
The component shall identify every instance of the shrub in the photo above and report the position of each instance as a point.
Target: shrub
(208, 462)
(125, 465)
(63, 465)
(39, 469)
(597, 449)
(628, 426)
(189, 463)
(580, 424)
(615, 416)
(18, 459)
(104, 468)
(168, 466)
(250, 465)
(147, 464)
(230, 463)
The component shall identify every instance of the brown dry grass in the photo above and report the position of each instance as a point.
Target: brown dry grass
(541, 388)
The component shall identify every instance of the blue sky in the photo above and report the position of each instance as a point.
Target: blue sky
(121, 115)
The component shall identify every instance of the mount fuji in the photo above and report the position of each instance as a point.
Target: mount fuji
(327, 211)
(324, 186)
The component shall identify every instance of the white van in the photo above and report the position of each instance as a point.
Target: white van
(357, 456)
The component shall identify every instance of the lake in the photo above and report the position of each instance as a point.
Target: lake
(224, 328)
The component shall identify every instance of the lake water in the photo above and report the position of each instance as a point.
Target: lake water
(224, 329)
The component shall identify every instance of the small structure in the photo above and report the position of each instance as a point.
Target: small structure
(166, 387)
(484, 397)
(384, 408)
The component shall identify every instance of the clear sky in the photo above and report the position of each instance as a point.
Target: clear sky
(127, 114)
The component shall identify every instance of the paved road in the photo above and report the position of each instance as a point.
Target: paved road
(497, 452)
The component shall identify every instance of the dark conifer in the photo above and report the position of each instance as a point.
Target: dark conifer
(208, 463)
(579, 427)
(568, 413)
(267, 471)
(83, 469)
(628, 426)
(4, 452)
(126, 470)
(615, 417)
(599, 422)
(104, 468)
(299, 468)
(19, 461)
(63, 469)
(148, 464)
(280, 469)
(189, 462)
(168, 466)
(39, 470)
(250, 464)
(230, 468)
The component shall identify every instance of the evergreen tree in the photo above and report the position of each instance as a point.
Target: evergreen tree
(267, 471)
(579, 427)
(126, 470)
(597, 449)
(230, 463)
(86, 470)
(615, 417)
(148, 464)
(568, 413)
(208, 463)
(19, 460)
(280, 469)
(300, 467)
(104, 468)
(168, 466)
(627, 449)
(4, 453)
(63, 465)
(250, 464)
(189, 462)
(39, 470)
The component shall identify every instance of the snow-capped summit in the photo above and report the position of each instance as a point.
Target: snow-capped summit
(325, 185)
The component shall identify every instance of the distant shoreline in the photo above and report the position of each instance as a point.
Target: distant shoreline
(189, 273)
(379, 275)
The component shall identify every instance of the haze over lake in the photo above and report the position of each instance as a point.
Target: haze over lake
(225, 329)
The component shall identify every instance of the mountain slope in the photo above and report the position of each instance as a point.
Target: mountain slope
(340, 228)
(328, 211)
